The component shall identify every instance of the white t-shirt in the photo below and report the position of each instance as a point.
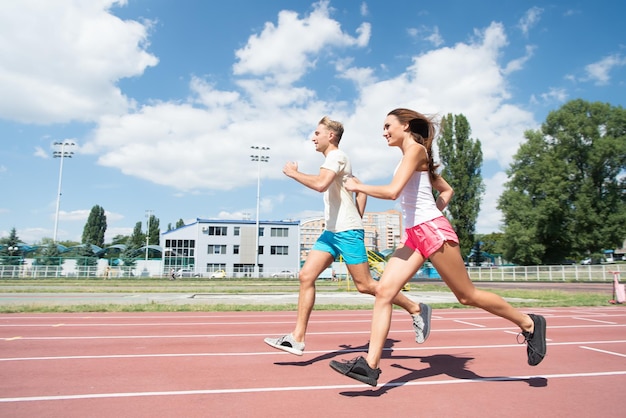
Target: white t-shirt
(340, 210)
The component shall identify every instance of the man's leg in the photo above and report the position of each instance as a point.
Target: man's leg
(316, 262)
(366, 284)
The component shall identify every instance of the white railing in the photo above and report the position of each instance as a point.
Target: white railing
(590, 273)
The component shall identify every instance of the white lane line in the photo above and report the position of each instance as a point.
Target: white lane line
(470, 324)
(302, 388)
(604, 351)
(594, 320)
(117, 337)
(282, 353)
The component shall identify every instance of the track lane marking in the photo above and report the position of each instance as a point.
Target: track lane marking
(301, 388)
(603, 351)
(282, 353)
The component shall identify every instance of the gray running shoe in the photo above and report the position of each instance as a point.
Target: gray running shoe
(286, 343)
(358, 369)
(421, 323)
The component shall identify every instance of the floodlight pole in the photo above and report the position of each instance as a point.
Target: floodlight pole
(62, 154)
(148, 215)
(259, 159)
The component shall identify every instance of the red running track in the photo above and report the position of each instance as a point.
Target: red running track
(216, 365)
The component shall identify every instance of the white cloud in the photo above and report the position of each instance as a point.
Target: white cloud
(264, 54)
(41, 153)
(433, 36)
(490, 218)
(598, 72)
(554, 95)
(61, 59)
(364, 10)
(530, 19)
(518, 64)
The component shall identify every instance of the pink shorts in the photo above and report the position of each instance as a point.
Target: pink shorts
(429, 236)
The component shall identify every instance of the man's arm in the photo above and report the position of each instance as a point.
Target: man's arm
(319, 182)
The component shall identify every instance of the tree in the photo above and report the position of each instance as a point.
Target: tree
(566, 194)
(86, 259)
(120, 239)
(10, 256)
(154, 231)
(462, 159)
(138, 238)
(49, 256)
(180, 223)
(492, 243)
(95, 227)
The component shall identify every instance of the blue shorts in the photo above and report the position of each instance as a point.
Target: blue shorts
(349, 244)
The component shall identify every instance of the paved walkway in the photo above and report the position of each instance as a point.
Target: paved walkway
(337, 298)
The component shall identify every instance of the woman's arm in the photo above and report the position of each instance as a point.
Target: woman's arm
(414, 157)
(360, 199)
(445, 192)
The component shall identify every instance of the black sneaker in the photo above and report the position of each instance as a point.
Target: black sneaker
(358, 369)
(536, 342)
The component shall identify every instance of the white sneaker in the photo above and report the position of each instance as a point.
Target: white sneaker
(421, 323)
(286, 343)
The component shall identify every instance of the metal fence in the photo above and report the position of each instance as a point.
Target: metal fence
(571, 273)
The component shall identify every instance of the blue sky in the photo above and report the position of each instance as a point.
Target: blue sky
(164, 98)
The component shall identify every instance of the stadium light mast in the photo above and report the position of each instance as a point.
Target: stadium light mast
(62, 154)
(259, 158)
(148, 215)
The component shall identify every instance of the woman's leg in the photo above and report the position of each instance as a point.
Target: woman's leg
(401, 267)
(450, 266)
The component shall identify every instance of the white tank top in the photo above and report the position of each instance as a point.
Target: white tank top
(417, 200)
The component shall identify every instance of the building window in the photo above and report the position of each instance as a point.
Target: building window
(236, 230)
(261, 232)
(279, 232)
(280, 250)
(216, 249)
(235, 249)
(246, 269)
(217, 230)
(260, 249)
(179, 253)
(212, 267)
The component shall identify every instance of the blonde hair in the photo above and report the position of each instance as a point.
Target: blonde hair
(333, 126)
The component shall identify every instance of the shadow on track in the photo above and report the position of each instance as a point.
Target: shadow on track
(442, 364)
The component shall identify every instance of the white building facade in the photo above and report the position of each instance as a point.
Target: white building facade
(210, 245)
(383, 231)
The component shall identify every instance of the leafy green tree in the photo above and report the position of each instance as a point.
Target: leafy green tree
(128, 256)
(154, 231)
(49, 256)
(95, 227)
(85, 259)
(492, 243)
(566, 194)
(120, 239)
(180, 223)
(10, 256)
(462, 159)
(138, 238)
